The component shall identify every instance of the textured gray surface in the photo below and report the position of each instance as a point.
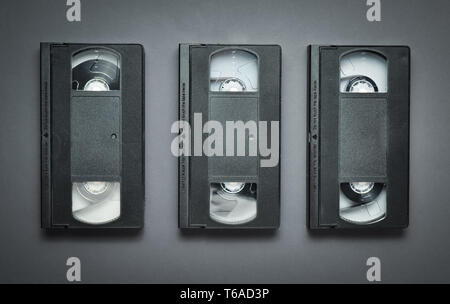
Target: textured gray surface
(362, 137)
(161, 253)
(93, 151)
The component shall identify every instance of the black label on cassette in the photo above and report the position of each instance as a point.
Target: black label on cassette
(92, 127)
(358, 136)
(220, 86)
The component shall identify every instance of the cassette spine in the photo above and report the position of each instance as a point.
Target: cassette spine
(183, 161)
(143, 133)
(313, 135)
(45, 136)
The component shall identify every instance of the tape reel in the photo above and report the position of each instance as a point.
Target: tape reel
(234, 70)
(96, 70)
(362, 202)
(363, 72)
(233, 203)
(96, 202)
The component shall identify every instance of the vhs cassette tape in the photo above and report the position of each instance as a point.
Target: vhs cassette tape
(92, 135)
(358, 132)
(229, 119)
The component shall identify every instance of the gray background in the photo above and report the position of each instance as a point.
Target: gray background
(161, 253)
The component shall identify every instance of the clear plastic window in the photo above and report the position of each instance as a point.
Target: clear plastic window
(96, 70)
(363, 72)
(233, 203)
(96, 202)
(362, 202)
(234, 70)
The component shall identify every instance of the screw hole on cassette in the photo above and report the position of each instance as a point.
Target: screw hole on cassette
(253, 188)
(75, 85)
(114, 136)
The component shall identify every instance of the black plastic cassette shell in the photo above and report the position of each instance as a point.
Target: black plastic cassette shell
(195, 215)
(323, 169)
(123, 162)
